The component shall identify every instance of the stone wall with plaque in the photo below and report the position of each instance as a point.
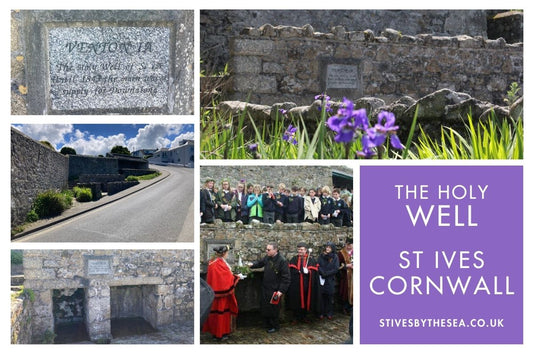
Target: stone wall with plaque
(102, 62)
(279, 64)
(341, 77)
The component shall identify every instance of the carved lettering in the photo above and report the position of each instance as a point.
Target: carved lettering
(109, 67)
(98, 267)
(341, 76)
(108, 47)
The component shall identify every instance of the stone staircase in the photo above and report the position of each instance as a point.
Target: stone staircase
(17, 277)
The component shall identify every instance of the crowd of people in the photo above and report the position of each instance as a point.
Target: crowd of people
(255, 202)
(309, 284)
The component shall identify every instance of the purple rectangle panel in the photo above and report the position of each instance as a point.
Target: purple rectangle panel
(441, 255)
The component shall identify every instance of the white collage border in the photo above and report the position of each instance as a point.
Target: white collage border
(526, 348)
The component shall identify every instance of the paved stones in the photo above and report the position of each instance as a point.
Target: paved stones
(333, 331)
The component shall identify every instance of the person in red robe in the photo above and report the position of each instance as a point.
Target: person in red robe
(304, 289)
(224, 310)
(346, 276)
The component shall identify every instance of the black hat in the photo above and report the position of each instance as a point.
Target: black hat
(221, 249)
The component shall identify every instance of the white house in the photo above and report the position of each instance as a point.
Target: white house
(181, 155)
(141, 153)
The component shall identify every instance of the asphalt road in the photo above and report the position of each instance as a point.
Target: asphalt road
(162, 213)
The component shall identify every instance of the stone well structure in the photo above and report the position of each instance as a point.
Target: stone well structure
(95, 286)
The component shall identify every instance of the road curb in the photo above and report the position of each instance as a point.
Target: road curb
(59, 219)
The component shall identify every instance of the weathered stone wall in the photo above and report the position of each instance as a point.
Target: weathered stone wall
(301, 176)
(80, 165)
(91, 165)
(129, 162)
(21, 330)
(117, 186)
(279, 64)
(249, 241)
(34, 168)
(217, 26)
(137, 172)
(100, 178)
(509, 25)
(166, 277)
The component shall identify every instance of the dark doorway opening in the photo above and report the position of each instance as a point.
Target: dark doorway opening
(69, 316)
(131, 307)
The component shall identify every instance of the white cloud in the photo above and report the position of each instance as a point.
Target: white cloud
(183, 136)
(53, 133)
(95, 145)
(149, 136)
(153, 136)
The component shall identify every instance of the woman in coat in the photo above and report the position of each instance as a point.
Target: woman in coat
(221, 320)
(255, 204)
(328, 265)
(311, 207)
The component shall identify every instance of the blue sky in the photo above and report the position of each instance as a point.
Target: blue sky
(95, 139)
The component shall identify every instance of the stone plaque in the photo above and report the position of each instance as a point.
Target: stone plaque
(109, 67)
(94, 62)
(342, 76)
(99, 266)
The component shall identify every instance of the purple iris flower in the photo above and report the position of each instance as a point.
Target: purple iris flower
(389, 122)
(350, 124)
(337, 122)
(395, 142)
(252, 147)
(346, 109)
(289, 135)
(322, 96)
(389, 128)
(361, 119)
(325, 98)
(366, 153)
(346, 133)
(347, 121)
(282, 111)
(375, 138)
(368, 147)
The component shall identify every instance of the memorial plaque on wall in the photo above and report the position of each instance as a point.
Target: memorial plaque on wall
(109, 67)
(341, 77)
(98, 265)
(110, 62)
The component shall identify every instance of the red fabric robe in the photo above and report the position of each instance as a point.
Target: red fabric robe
(346, 281)
(224, 308)
(304, 289)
